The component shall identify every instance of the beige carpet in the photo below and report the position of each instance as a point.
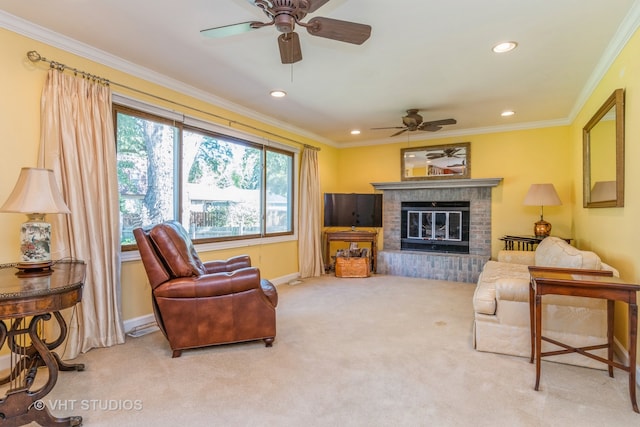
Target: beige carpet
(381, 351)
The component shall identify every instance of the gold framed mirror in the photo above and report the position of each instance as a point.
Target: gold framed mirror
(436, 162)
(603, 155)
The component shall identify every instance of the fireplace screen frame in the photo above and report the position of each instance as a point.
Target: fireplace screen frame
(418, 240)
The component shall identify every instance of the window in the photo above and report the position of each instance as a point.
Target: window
(219, 187)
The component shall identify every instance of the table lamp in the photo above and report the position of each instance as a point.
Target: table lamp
(542, 195)
(36, 194)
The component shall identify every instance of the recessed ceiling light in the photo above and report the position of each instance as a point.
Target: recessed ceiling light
(278, 93)
(504, 47)
(355, 132)
(507, 113)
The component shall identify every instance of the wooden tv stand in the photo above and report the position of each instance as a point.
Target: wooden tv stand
(352, 236)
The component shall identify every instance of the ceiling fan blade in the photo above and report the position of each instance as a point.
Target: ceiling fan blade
(290, 50)
(431, 128)
(344, 31)
(392, 127)
(439, 122)
(231, 30)
(315, 5)
(399, 132)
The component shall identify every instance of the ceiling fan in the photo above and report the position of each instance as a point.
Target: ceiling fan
(285, 14)
(413, 121)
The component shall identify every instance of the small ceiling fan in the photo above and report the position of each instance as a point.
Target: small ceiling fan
(447, 152)
(413, 122)
(285, 14)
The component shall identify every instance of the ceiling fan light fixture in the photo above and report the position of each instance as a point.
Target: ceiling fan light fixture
(278, 93)
(504, 47)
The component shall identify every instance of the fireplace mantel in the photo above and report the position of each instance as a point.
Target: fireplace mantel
(437, 183)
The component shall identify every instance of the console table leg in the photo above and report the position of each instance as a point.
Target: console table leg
(538, 316)
(64, 366)
(633, 345)
(532, 322)
(610, 311)
(42, 416)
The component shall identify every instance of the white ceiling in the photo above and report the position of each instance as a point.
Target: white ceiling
(432, 55)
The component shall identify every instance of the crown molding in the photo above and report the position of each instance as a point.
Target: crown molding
(464, 132)
(625, 31)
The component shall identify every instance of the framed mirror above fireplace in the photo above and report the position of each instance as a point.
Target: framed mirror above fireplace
(436, 162)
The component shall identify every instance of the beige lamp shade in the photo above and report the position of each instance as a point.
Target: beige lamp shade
(542, 195)
(36, 192)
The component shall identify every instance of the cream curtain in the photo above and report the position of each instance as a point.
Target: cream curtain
(310, 238)
(78, 143)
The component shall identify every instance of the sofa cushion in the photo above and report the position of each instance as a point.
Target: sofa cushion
(173, 243)
(555, 252)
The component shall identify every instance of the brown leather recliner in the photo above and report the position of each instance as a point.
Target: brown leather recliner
(199, 304)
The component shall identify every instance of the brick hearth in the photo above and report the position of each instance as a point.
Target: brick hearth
(441, 266)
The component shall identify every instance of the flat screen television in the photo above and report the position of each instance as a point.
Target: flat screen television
(352, 210)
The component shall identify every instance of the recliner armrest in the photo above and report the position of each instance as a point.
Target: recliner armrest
(211, 285)
(231, 264)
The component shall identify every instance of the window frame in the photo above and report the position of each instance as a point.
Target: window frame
(122, 104)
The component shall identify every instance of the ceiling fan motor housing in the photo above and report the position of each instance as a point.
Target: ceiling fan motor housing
(286, 13)
(412, 119)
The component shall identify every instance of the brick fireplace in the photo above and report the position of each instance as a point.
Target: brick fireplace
(461, 267)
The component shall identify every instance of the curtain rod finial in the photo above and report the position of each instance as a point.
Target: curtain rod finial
(33, 56)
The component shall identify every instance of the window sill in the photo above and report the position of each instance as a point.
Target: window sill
(217, 246)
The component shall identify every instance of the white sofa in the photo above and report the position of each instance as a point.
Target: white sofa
(501, 305)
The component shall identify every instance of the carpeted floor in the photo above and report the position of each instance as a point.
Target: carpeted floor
(381, 351)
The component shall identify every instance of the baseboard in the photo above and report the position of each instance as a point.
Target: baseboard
(138, 323)
(285, 279)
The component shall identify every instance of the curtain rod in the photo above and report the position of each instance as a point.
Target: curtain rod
(34, 57)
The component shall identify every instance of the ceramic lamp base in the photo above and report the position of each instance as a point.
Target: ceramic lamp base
(35, 242)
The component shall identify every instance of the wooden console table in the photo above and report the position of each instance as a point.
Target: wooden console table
(353, 236)
(589, 284)
(27, 300)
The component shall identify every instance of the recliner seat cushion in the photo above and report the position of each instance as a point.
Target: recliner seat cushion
(173, 243)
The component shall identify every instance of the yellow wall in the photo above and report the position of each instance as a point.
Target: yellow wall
(614, 232)
(521, 158)
(21, 87)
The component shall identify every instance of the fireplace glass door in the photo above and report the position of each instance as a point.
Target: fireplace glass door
(434, 225)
